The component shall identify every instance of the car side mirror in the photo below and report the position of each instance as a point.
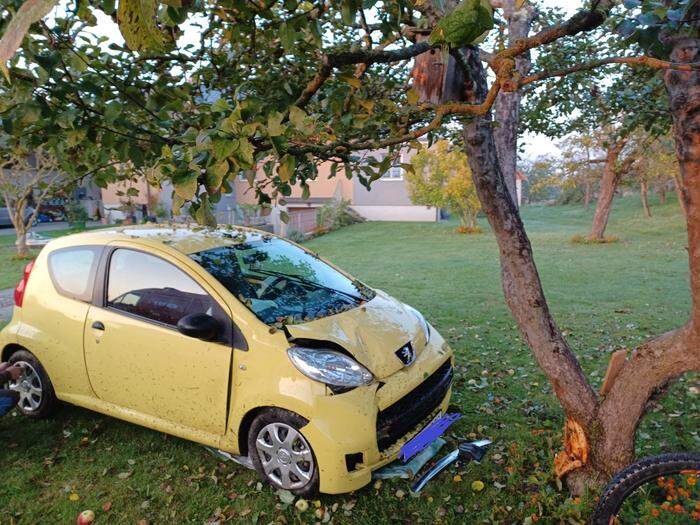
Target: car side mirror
(200, 326)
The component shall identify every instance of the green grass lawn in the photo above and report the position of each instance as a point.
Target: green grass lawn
(604, 296)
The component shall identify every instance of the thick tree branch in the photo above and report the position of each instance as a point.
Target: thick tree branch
(646, 61)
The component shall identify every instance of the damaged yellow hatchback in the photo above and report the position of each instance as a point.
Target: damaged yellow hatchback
(233, 338)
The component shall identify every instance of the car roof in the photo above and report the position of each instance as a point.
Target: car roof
(184, 238)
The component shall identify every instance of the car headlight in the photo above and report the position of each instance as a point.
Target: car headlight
(329, 367)
(423, 322)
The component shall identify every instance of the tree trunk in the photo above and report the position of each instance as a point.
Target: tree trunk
(661, 190)
(644, 192)
(587, 195)
(608, 185)
(607, 424)
(507, 106)
(21, 244)
(680, 192)
(521, 282)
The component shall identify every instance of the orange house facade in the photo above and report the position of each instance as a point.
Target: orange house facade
(387, 200)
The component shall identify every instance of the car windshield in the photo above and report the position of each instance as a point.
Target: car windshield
(280, 282)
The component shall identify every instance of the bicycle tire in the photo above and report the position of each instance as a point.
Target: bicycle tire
(628, 480)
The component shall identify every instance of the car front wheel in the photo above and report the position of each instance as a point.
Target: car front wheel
(280, 452)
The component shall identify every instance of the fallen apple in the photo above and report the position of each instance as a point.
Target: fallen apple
(85, 518)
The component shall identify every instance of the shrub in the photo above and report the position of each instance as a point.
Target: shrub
(582, 239)
(77, 215)
(469, 230)
(336, 214)
(296, 236)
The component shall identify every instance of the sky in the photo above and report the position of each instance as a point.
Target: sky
(533, 145)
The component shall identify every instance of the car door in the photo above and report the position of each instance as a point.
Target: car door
(137, 359)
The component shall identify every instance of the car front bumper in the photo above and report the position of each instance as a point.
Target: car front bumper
(362, 430)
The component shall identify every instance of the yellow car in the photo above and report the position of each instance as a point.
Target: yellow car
(232, 338)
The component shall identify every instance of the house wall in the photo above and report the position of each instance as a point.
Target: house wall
(338, 187)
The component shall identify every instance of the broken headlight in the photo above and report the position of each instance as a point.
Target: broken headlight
(423, 322)
(329, 367)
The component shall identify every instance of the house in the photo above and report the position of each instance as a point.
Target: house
(387, 200)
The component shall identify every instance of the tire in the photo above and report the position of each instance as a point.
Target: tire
(31, 404)
(628, 480)
(267, 437)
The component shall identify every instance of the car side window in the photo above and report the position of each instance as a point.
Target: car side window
(72, 271)
(147, 286)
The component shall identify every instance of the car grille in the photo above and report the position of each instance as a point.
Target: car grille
(398, 419)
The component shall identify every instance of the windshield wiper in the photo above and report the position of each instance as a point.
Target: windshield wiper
(311, 283)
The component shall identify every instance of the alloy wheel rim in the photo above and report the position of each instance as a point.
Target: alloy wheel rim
(29, 388)
(285, 456)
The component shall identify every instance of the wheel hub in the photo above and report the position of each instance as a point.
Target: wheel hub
(29, 388)
(285, 456)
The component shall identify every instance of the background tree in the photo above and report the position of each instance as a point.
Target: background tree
(659, 166)
(546, 180)
(518, 15)
(615, 106)
(581, 165)
(26, 179)
(287, 90)
(441, 177)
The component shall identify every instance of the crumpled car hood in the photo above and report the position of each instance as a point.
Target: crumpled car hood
(372, 333)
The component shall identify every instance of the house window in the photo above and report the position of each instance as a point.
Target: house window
(394, 173)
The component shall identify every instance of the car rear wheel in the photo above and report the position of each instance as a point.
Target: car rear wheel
(281, 454)
(37, 398)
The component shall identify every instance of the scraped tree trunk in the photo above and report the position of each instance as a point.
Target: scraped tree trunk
(608, 185)
(507, 106)
(644, 192)
(605, 425)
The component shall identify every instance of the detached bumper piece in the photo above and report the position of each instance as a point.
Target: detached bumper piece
(466, 452)
(407, 413)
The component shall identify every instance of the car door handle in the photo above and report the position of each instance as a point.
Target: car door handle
(98, 325)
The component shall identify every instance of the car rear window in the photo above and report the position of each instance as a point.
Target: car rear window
(72, 271)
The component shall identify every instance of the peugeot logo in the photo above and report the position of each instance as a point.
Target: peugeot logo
(406, 354)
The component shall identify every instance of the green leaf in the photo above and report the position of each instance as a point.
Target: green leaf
(286, 167)
(185, 185)
(284, 217)
(287, 36)
(138, 25)
(245, 154)
(204, 215)
(215, 176)
(297, 117)
(224, 148)
(220, 105)
(274, 124)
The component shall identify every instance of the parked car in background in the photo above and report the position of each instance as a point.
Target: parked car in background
(236, 339)
(5, 220)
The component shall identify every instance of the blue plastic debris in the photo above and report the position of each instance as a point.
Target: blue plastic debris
(426, 436)
(397, 469)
